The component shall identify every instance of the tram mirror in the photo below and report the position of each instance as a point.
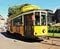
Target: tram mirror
(33, 17)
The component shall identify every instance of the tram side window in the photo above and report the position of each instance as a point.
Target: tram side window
(10, 23)
(14, 22)
(37, 18)
(17, 21)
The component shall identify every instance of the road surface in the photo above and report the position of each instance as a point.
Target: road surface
(10, 42)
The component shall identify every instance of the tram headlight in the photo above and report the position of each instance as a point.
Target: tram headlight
(43, 30)
(35, 33)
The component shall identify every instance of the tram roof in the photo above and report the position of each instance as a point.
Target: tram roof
(27, 12)
(16, 10)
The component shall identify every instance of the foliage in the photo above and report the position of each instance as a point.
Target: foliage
(20, 8)
(54, 30)
(15, 9)
(55, 34)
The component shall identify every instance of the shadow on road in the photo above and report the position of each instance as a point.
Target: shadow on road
(18, 37)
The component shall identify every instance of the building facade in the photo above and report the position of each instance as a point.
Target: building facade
(2, 21)
(57, 15)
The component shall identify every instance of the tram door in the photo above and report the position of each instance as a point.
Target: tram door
(28, 25)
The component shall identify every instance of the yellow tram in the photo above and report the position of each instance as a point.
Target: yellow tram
(30, 23)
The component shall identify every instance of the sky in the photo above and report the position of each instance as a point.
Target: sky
(43, 4)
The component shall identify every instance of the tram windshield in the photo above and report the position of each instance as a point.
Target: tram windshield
(37, 18)
(43, 20)
(40, 18)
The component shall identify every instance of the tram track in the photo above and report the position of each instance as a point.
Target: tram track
(53, 37)
(52, 41)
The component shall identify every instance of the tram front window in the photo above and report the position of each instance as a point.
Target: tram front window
(43, 20)
(37, 18)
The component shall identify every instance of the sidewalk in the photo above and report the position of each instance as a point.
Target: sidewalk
(2, 30)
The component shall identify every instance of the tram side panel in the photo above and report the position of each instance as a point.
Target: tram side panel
(22, 30)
